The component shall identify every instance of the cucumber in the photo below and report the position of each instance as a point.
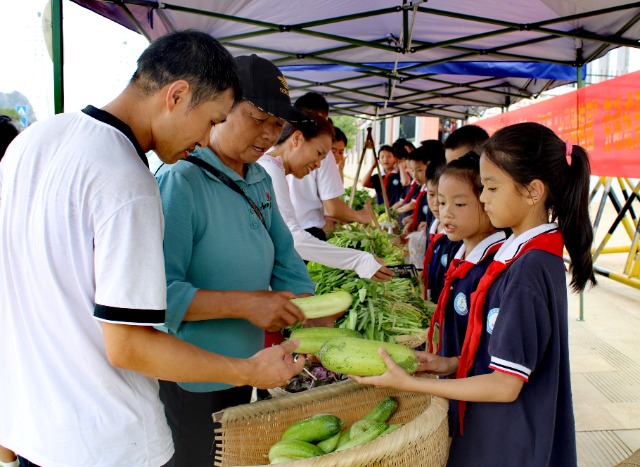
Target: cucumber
(383, 411)
(311, 339)
(345, 437)
(372, 433)
(360, 427)
(349, 355)
(319, 306)
(294, 449)
(316, 428)
(393, 427)
(330, 444)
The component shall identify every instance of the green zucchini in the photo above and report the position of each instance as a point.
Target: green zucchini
(330, 444)
(383, 411)
(393, 427)
(311, 339)
(360, 427)
(372, 433)
(316, 428)
(319, 306)
(294, 449)
(345, 437)
(349, 355)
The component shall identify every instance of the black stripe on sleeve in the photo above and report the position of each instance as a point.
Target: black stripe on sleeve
(129, 315)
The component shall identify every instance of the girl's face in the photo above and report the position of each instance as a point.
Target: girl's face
(387, 161)
(432, 198)
(418, 170)
(461, 213)
(304, 156)
(505, 203)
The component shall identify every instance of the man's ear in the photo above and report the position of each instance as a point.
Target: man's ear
(535, 191)
(177, 94)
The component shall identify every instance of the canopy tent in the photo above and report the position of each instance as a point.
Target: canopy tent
(448, 58)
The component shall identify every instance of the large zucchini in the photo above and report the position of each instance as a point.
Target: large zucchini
(383, 411)
(311, 339)
(349, 355)
(293, 449)
(316, 428)
(319, 306)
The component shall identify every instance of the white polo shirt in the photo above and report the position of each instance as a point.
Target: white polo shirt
(308, 193)
(80, 241)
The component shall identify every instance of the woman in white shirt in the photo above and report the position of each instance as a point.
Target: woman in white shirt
(298, 152)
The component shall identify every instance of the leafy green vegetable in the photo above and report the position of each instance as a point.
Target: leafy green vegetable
(380, 310)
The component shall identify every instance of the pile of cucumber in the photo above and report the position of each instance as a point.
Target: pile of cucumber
(324, 433)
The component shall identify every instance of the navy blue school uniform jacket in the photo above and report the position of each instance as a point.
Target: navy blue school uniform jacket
(395, 190)
(444, 251)
(410, 192)
(456, 314)
(525, 333)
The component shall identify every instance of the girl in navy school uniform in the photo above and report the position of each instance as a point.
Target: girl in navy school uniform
(463, 219)
(517, 409)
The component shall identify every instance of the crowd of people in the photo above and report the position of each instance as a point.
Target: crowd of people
(133, 306)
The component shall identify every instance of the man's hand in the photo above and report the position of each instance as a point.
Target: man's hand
(274, 366)
(271, 310)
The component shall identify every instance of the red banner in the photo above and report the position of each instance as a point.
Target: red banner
(603, 118)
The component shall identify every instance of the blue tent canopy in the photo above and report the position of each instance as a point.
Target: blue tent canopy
(450, 58)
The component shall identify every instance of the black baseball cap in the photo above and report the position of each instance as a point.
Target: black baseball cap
(264, 86)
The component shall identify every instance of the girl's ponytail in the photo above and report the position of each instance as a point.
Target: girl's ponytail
(572, 214)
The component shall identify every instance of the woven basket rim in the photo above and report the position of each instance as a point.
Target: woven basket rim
(410, 434)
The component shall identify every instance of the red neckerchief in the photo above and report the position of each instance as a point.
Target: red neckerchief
(416, 211)
(458, 269)
(551, 242)
(434, 238)
(412, 188)
(385, 179)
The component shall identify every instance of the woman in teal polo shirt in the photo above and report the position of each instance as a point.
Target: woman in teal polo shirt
(226, 245)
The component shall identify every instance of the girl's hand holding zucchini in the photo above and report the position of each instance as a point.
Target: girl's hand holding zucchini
(437, 365)
(395, 377)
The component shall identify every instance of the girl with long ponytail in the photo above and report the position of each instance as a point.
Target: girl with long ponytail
(513, 380)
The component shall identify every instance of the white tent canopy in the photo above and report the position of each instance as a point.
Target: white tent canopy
(394, 57)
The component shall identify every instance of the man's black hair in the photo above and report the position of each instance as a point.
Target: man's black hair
(312, 101)
(189, 55)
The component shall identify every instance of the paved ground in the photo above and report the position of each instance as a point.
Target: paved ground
(605, 364)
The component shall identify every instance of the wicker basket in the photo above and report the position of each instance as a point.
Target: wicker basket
(248, 431)
(632, 461)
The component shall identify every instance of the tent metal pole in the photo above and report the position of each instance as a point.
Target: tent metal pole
(580, 81)
(57, 55)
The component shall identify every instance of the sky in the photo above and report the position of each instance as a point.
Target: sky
(99, 56)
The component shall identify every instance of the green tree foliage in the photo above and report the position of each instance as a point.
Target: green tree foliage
(11, 113)
(348, 125)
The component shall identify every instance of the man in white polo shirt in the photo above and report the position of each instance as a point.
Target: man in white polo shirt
(82, 281)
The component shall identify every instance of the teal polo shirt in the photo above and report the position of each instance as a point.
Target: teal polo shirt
(214, 240)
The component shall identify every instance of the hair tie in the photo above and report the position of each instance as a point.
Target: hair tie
(568, 151)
